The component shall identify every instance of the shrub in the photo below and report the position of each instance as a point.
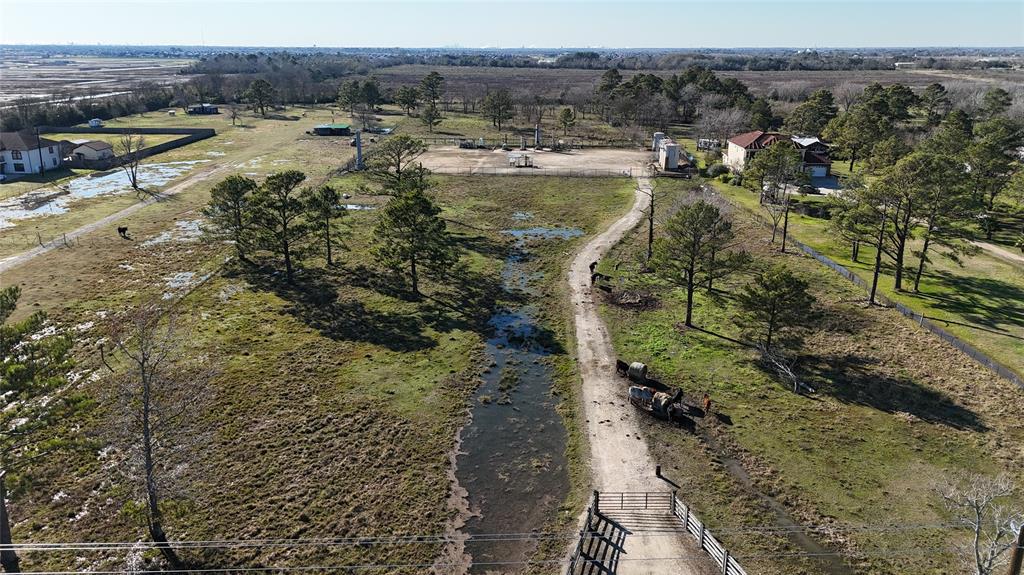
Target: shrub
(717, 170)
(725, 178)
(736, 180)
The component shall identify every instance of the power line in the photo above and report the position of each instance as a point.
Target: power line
(442, 539)
(364, 566)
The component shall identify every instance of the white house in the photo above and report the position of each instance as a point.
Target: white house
(93, 150)
(813, 152)
(740, 149)
(25, 153)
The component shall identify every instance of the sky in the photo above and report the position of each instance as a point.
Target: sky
(518, 23)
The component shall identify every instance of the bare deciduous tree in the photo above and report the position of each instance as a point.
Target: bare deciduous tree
(129, 152)
(980, 503)
(158, 395)
(720, 124)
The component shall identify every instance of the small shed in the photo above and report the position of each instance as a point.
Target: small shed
(333, 130)
(95, 123)
(202, 109)
(93, 151)
(517, 160)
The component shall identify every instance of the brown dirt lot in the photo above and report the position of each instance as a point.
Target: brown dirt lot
(449, 158)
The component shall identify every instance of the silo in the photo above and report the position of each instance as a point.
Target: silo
(658, 136)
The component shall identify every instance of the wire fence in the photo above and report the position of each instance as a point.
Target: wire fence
(921, 319)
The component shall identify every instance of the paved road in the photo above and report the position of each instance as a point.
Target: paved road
(619, 457)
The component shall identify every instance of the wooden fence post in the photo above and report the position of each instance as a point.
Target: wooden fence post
(597, 501)
(702, 536)
(725, 561)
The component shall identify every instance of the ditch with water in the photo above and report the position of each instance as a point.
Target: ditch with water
(512, 461)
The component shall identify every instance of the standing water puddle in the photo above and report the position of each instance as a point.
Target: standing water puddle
(513, 451)
(51, 201)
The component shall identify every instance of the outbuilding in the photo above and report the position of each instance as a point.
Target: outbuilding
(93, 151)
(333, 130)
(202, 109)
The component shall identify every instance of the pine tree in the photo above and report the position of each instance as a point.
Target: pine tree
(498, 106)
(261, 95)
(773, 305)
(324, 213)
(566, 119)
(278, 217)
(229, 212)
(811, 117)
(407, 97)
(431, 117)
(411, 237)
(432, 88)
(392, 163)
(690, 253)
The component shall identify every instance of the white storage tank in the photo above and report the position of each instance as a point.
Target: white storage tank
(658, 136)
(668, 156)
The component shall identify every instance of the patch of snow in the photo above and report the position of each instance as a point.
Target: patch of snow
(184, 231)
(85, 326)
(47, 331)
(59, 496)
(126, 267)
(180, 280)
(215, 153)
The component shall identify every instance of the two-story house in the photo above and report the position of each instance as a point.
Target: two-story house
(814, 153)
(26, 153)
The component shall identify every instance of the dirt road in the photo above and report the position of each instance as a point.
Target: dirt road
(1001, 252)
(619, 458)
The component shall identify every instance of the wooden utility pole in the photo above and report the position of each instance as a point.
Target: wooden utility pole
(1017, 557)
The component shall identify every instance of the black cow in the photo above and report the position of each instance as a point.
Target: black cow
(621, 367)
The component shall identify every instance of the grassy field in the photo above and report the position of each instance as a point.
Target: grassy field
(980, 302)
(895, 412)
(255, 147)
(338, 401)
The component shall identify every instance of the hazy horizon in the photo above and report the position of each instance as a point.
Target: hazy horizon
(501, 24)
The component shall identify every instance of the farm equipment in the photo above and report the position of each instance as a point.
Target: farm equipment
(652, 396)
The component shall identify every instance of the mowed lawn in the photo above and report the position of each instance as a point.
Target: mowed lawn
(981, 302)
(896, 412)
(338, 399)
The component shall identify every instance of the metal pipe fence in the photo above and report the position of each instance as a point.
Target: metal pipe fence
(602, 540)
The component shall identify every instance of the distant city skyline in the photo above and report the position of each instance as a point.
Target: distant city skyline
(677, 24)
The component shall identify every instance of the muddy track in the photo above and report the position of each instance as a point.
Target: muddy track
(619, 457)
